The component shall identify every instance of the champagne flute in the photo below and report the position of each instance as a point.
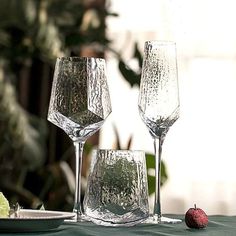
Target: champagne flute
(159, 105)
(79, 105)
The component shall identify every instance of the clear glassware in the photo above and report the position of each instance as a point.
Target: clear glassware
(159, 105)
(117, 191)
(79, 104)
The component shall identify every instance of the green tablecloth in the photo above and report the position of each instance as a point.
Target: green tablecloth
(218, 225)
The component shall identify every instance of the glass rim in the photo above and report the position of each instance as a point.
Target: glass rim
(77, 59)
(161, 42)
(118, 150)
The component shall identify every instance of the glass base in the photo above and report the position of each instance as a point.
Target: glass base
(114, 224)
(80, 218)
(161, 220)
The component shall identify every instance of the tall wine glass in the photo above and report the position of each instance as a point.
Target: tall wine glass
(79, 105)
(159, 105)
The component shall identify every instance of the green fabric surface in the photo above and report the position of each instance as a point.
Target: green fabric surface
(218, 225)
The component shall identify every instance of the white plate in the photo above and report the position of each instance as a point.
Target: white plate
(34, 220)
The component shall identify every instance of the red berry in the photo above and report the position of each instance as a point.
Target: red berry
(196, 218)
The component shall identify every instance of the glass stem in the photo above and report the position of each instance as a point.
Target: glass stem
(78, 174)
(158, 151)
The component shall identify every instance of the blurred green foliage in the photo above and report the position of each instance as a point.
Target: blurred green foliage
(132, 76)
(36, 158)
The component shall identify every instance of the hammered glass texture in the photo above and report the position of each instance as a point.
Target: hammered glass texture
(117, 188)
(159, 95)
(80, 100)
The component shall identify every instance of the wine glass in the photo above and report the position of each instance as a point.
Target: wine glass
(159, 105)
(79, 105)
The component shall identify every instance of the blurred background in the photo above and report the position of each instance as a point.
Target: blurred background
(37, 159)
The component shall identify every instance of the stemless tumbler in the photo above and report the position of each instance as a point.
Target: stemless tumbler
(117, 193)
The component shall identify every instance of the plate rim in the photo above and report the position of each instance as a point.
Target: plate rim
(62, 215)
